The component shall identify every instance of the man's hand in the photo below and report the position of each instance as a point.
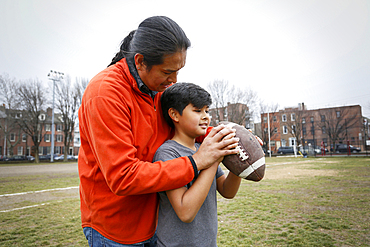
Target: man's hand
(219, 142)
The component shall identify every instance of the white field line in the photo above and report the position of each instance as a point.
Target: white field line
(38, 191)
(33, 206)
(32, 192)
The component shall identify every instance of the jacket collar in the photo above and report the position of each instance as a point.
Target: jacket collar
(143, 88)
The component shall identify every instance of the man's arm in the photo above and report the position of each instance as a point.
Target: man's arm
(187, 202)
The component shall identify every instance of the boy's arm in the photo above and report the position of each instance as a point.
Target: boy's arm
(228, 186)
(187, 202)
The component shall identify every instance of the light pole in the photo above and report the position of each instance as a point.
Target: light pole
(54, 76)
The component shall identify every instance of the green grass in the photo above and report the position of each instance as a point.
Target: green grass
(300, 202)
(328, 205)
(10, 185)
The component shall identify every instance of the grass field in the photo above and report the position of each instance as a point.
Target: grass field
(300, 202)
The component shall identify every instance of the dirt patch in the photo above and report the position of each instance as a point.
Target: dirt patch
(290, 172)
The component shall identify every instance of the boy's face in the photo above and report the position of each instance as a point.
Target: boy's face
(194, 121)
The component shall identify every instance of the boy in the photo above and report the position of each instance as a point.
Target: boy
(188, 215)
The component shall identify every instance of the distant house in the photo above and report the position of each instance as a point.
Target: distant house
(21, 143)
(318, 127)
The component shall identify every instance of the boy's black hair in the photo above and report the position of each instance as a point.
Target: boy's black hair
(179, 95)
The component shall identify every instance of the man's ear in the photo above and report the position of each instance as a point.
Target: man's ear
(139, 61)
(174, 115)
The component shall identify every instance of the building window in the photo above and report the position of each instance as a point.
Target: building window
(323, 130)
(311, 119)
(322, 118)
(292, 141)
(47, 127)
(274, 118)
(18, 115)
(338, 114)
(303, 120)
(58, 150)
(293, 129)
(24, 137)
(283, 118)
(42, 117)
(265, 130)
(275, 130)
(285, 129)
(283, 142)
(59, 138)
(265, 119)
(47, 137)
(292, 117)
(59, 127)
(12, 137)
(20, 150)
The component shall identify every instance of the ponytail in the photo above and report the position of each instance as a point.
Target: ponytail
(124, 48)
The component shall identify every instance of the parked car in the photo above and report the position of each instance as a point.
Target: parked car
(46, 157)
(15, 158)
(30, 158)
(285, 150)
(69, 157)
(343, 148)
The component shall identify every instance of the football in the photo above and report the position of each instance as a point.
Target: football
(249, 163)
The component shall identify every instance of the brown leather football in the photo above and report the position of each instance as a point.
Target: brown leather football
(249, 163)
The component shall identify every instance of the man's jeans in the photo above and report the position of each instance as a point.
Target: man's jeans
(95, 239)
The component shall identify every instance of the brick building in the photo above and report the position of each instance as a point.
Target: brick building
(21, 144)
(326, 126)
(236, 113)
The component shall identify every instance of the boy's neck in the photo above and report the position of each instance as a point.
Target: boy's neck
(186, 141)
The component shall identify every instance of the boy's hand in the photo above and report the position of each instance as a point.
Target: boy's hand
(219, 142)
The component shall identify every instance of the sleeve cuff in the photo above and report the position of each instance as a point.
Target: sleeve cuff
(194, 167)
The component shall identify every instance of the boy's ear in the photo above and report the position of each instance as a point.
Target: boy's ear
(173, 114)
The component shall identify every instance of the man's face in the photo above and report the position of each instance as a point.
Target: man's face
(163, 75)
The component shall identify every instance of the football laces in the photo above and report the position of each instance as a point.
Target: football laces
(242, 155)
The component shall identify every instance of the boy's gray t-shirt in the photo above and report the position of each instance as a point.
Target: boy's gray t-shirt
(171, 231)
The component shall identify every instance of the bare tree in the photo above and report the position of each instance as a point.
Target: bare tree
(32, 101)
(335, 122)
(294, 123)
(80, 86)
(68, 99)
(8, 127)
(218, 90)
(231, 103)
(242, 101)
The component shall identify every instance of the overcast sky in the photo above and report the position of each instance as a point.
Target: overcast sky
(288, 51)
